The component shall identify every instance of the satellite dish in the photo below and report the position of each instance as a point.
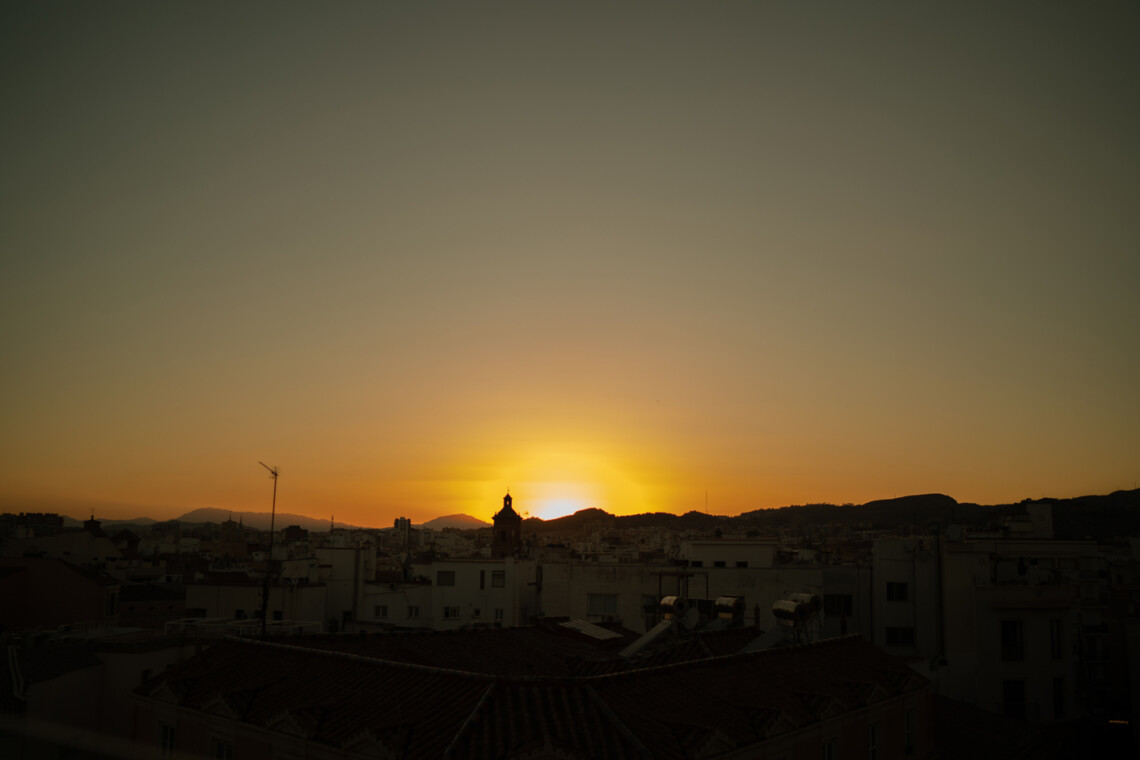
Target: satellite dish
(692, 615)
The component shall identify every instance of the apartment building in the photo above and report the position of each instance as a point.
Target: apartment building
(1011, 624)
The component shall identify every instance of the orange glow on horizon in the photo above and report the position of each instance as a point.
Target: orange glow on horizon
(557, 480)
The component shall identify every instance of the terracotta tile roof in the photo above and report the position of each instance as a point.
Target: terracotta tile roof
(546, 649)
(329, 693)
(967, 732)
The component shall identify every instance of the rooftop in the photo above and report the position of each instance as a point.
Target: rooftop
(444, 693)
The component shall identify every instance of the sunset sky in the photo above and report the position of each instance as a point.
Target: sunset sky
(642, 257)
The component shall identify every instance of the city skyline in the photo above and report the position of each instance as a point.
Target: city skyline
(646, 258)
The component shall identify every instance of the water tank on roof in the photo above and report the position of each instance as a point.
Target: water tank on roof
(673, 607)
(791, 614)
(731, 607)
(815, 601)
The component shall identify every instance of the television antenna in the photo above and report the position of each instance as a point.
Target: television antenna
(273, 473)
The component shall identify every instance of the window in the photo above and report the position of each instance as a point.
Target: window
(1012, 642)
(719, 563)
(482, 579)
(413, 611)
(896, 592)
(498, 578)
(450, 613)
(908, 732)
(278, 615)
(112, 600)
(239, 614)
(837, 605)
(1013, 697)
(1058, 697)
(380, 611)
(873, 741)
(1055, 638)
(601, 604)
(696, 563)
(476, 613)
(829, 750)
(742, 564)
(900, 636)
(445, 578)
(221, 750)
(498, 613)
(165, 740)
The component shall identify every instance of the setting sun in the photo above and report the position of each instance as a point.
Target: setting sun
(555, 481)
(558, 506)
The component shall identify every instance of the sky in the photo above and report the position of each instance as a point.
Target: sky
(634, 256)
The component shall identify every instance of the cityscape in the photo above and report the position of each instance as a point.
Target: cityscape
(553, 380)
(901, 628)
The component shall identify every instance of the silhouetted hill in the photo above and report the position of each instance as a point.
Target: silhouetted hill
(258, 520)
(466, 522)
(1098, 517)
(592, 519)
(914, 510)
(1114, 515)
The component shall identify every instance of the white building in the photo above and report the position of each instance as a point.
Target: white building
(724, 552)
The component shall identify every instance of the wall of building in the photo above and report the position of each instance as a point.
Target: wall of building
(906, 597)
(474, 596)
(304, 602)
(404, 605)
(1036, 587)
(729, 553)
(344, 571)
(48, 593)
(632, 592)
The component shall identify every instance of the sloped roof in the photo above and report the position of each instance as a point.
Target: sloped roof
(328, 695)
(48, 662)
(547, 649)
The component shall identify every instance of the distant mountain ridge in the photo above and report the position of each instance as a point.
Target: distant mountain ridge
(258, 520)
(1099, 517)
(1096, 516)
(462, 521)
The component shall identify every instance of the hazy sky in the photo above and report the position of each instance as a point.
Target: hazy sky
(614, 255)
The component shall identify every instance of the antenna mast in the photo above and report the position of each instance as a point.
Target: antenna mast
(268, 560)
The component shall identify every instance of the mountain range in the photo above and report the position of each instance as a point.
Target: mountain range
(1099, 517)
(464, 522)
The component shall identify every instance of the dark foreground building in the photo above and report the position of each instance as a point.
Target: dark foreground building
(524, 693)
